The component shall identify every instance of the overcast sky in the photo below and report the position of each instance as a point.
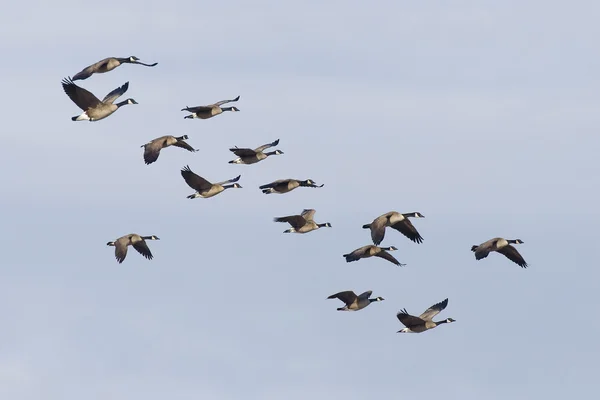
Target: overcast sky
(481, 115)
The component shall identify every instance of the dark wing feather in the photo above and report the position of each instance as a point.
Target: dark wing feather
(115, 94)
(513, 255)
(151, 153)
(184, 145)
(297, 221)
(80, 96)
(377, 230)
(243, 152)
(387, 256)
(194, 110)
(347, 297)
(143, 249)
(194, 181)
(409, 320)
(433, 310)
(408, 229)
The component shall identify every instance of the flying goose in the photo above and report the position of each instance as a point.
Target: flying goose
(152, 148)
(370, 251)
(108, 64)
(502, 246)
(93, 108)
(286, 185)
(249, 156)
(302, 223)
(424, 321)
(354, 302)
(397, 221)
(209, 111)
(204, 188)
(133, 239)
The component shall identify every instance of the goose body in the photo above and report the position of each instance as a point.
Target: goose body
(93, 108)
(373, 251)
(424, 321)
(250, 156)
(287, 185)
(211, 110)
(152, 149)
(204, 188)
(397, 221)
(502, 246)
(133, 239)
(354, 302)
(108, 64)
(302, 223)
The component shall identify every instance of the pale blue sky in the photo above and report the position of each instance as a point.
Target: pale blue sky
(481, 115)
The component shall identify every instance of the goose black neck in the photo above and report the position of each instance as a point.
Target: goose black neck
(122, 103)
(441, 322)
(326, 224)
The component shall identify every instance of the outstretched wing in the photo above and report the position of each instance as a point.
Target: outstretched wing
(143, 249)
(115, 94)
(184, 145)
(297, 221)
(220, 103)
(243, 152)
(347, 297)
(274, 183)
(365, 295)
(378, 230)
(78, 95)
(408, 229)
(409, 320)
(308, 214)
(195, 181)
(387, 256)
(433, 310)
(266, 146)
(513, 255)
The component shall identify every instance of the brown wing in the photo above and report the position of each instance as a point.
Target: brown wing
(297, 221)
(90, 70)
(387, 256)
(433, 310)
(409, 320)
(151, 152)
(143, 249)
(83, 98)
(347, 297)
(378, 230)
(184, 145)
(195, 181)
(196, 109)
(243, 152)
(407, 229)
(513, 255)
(115, 94)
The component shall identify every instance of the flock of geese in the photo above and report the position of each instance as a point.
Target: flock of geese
(95, 109)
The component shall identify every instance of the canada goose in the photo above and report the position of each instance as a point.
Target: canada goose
(424, 321)
(204, 188)
(354, 302)
(286, 185)
(249, 156)
(108, 64)
(152, 148)
(209, 111)
(397, 221)
(133, 239)
(302, 223)
(502, 246)
(370, 251)
(93, 108)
